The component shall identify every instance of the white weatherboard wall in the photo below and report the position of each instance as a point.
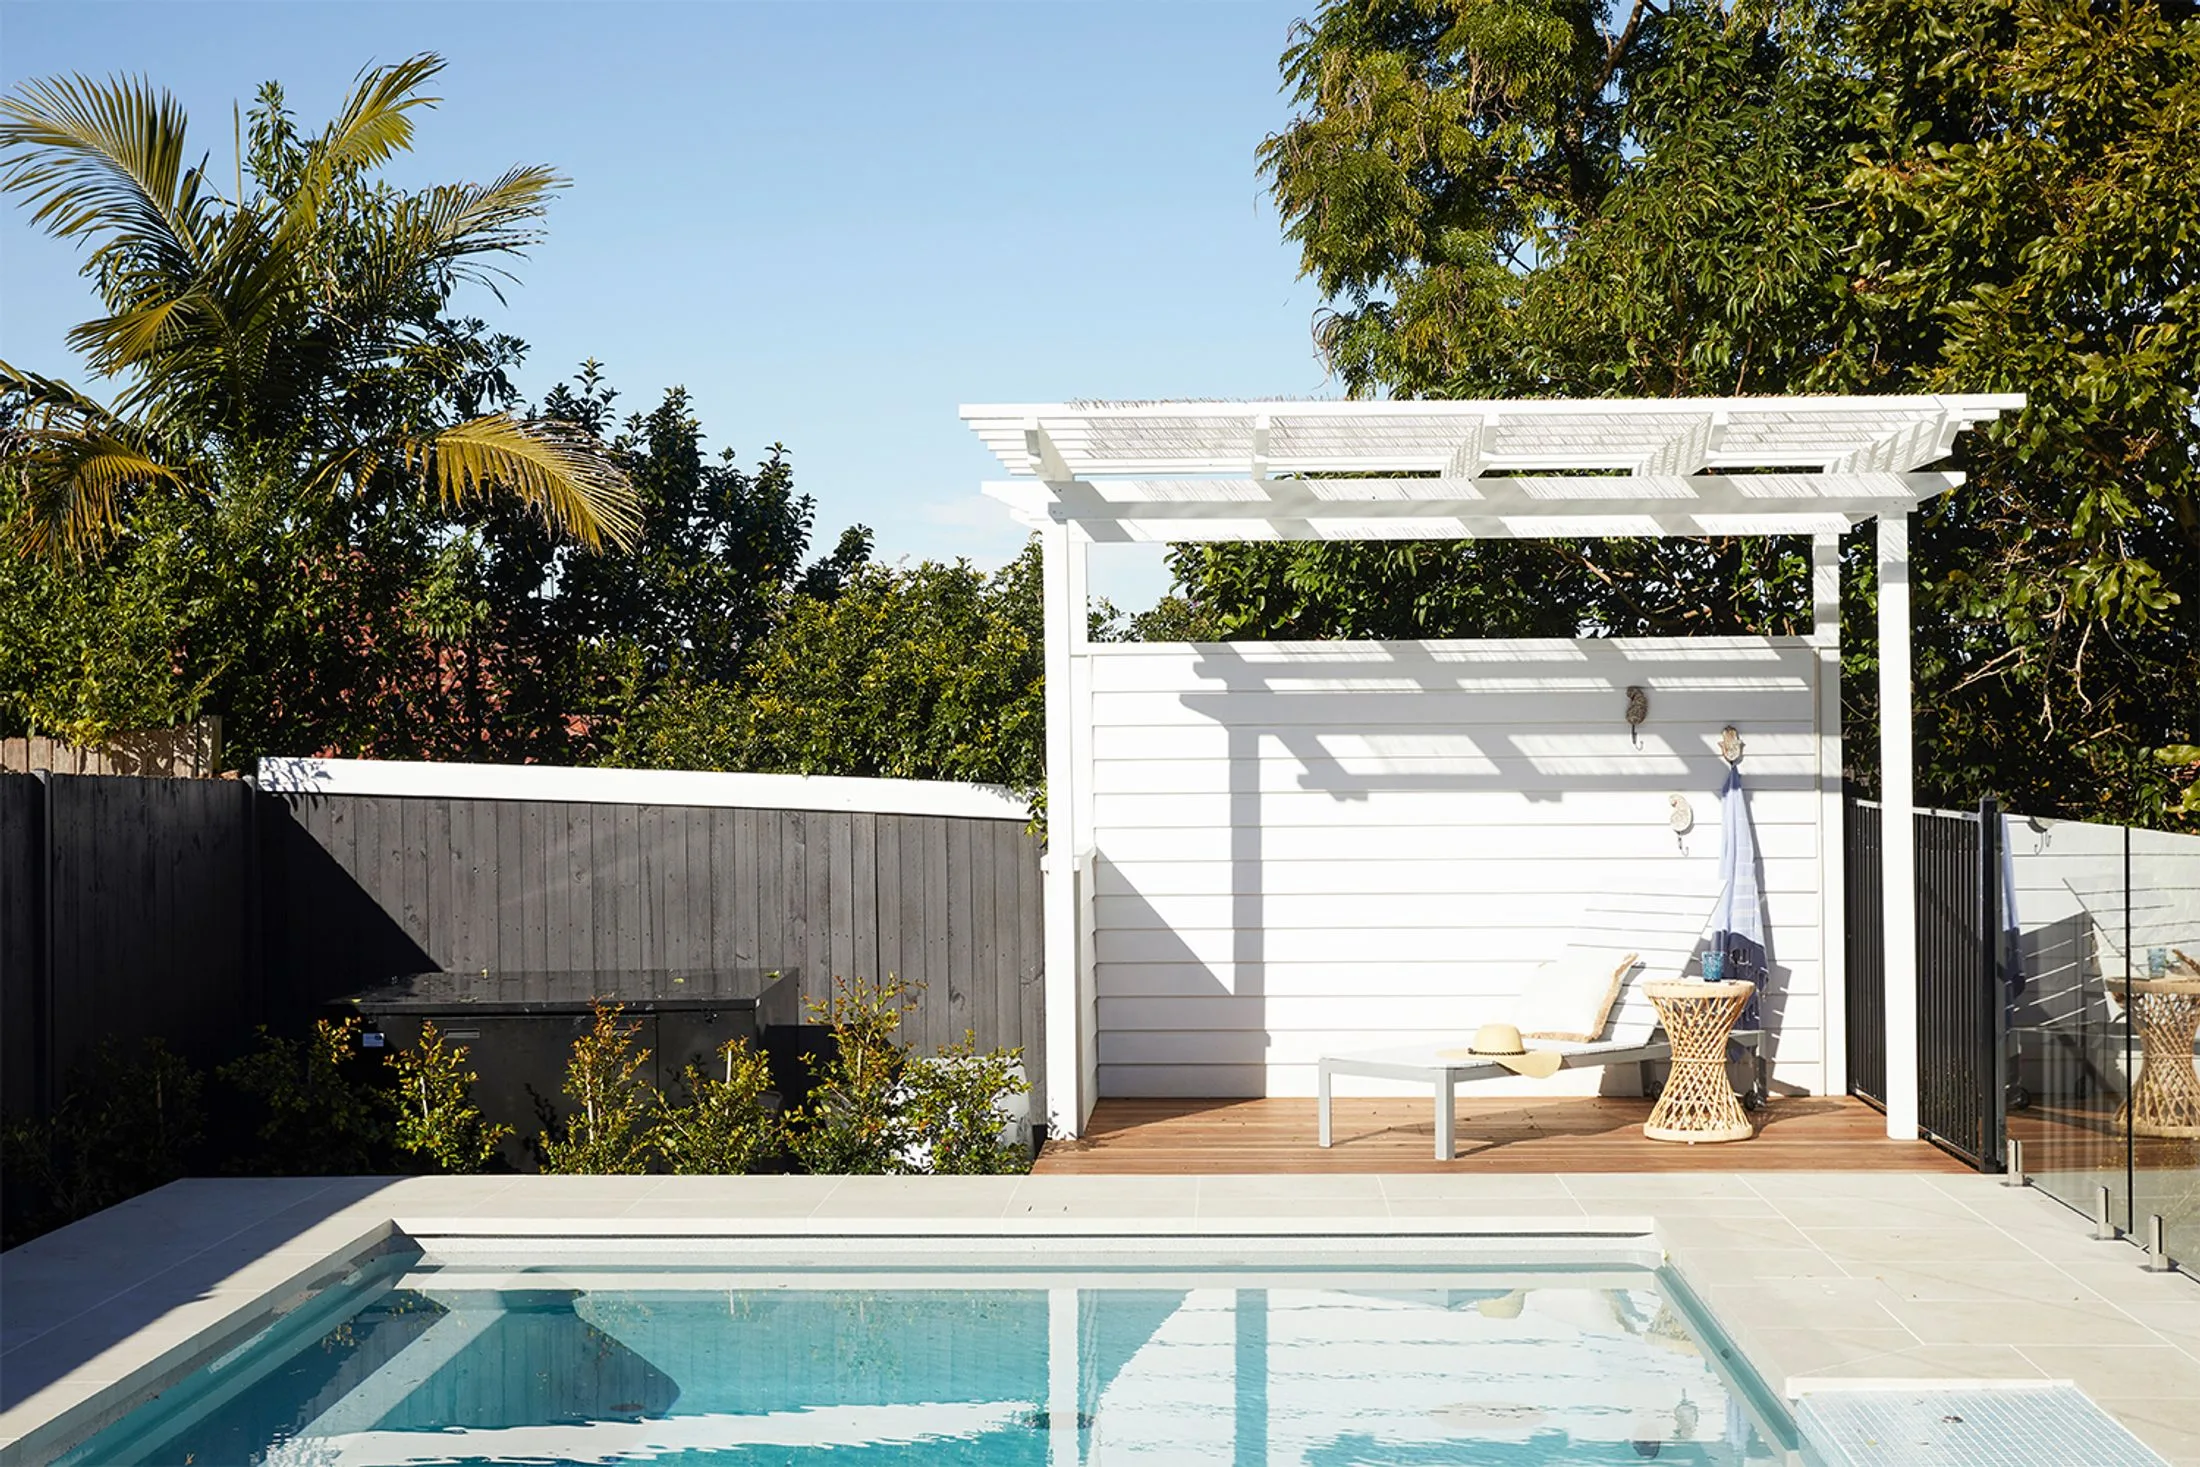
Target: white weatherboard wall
(1302, 847)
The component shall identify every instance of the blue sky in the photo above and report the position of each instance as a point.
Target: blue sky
(832, 223)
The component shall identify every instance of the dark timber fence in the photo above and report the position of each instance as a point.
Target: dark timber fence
(1961, 1044)
(192, 909)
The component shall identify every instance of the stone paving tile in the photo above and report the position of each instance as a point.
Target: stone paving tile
(1520, 1207)
(1718, 1264)
(1984, 1245)
(1819, 1350)
(1984, 1283)
(1472, 1185)
(1937, 1362)
(2123, 1370)
(1954, 1321)
(2168, 1424)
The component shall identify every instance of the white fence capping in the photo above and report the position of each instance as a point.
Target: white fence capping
(639, 787)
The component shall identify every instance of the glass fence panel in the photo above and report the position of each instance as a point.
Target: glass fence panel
(2164, 1113)
(2070, 1046)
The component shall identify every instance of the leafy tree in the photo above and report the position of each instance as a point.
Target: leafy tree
(434, 1103)
(608, 1131)
(933, 672)
(282, 516)
(296, 330)
(1528, 198)
(727, 1125)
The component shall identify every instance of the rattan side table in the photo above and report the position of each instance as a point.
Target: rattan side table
(2165, 1099)
(1698, 1103)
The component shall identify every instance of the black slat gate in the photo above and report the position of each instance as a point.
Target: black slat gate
(1960, 998)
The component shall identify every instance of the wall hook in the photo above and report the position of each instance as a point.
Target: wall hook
(1730, 744)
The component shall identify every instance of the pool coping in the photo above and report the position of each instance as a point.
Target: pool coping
(1825, 1280)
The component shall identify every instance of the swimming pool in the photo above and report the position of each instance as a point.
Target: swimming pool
(421, 1359)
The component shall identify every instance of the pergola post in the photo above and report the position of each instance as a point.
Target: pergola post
(1062, 585)
(1825, 631)
(1898, 834)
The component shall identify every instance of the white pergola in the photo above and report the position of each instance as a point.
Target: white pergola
(1099, 472)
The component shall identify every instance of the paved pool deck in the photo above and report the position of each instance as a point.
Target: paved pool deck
(1826, 1280)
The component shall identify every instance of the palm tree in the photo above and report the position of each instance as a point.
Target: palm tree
(298, 328)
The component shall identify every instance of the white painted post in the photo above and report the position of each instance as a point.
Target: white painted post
(1067, 1098)
(1081, 743)
(1063, 1378)
(1898, 835)
(1825, 603)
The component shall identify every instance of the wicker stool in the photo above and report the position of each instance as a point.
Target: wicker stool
(1698, 1103)
(2165, 1099)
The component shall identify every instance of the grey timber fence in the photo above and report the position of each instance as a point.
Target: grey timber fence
(193, 909)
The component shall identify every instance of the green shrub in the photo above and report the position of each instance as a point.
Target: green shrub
(728, 1125)
(434, 1105)
(319, 1111)
(954, 1110)
(876, 1108)
(123, 1126)
(608, 1132)
(854, 1120)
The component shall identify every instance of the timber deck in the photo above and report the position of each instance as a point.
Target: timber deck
(1600, 1134)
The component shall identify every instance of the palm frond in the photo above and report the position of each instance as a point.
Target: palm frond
(70, 461)
(131, 337)
(554, 466)
(375, 125)
(104, 161)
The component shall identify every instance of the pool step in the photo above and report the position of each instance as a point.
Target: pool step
(2019, 1424)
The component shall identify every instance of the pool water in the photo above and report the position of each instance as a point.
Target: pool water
(1412, 1368)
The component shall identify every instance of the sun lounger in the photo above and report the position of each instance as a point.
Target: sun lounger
(1542, 1008)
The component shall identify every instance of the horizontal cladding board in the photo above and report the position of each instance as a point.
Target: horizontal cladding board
(1285, 753)
(1252, 844)
(1641, 807)
(1278, 770)
(1429, 808)
(1308, 1018)
(1368, 709)
(1636, 657)
(1545, 778)
(1785, 912)
(1429, 876)
(1369, 948)
(1259, 1046)
(1668, 713)
(1491, 977)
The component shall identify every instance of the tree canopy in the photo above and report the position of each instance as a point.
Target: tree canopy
(315, 504)
(1524, 198)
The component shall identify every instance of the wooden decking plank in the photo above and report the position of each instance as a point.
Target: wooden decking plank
(1601, 1134)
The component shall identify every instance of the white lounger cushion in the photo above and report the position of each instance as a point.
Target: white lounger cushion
(1570, 997)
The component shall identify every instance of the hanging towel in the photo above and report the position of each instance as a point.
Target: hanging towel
(1738, 923)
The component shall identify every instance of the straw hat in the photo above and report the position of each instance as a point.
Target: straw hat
(1501, 1042)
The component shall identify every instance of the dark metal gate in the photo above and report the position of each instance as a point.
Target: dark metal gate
(1867, 946)
(1961, 1049)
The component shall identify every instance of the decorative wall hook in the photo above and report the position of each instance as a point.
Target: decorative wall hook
(1638, 708)
(1730, 744)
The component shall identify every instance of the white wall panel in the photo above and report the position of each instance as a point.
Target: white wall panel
(1320, 847)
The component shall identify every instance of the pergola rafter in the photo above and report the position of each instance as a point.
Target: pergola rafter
(1086, 473)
